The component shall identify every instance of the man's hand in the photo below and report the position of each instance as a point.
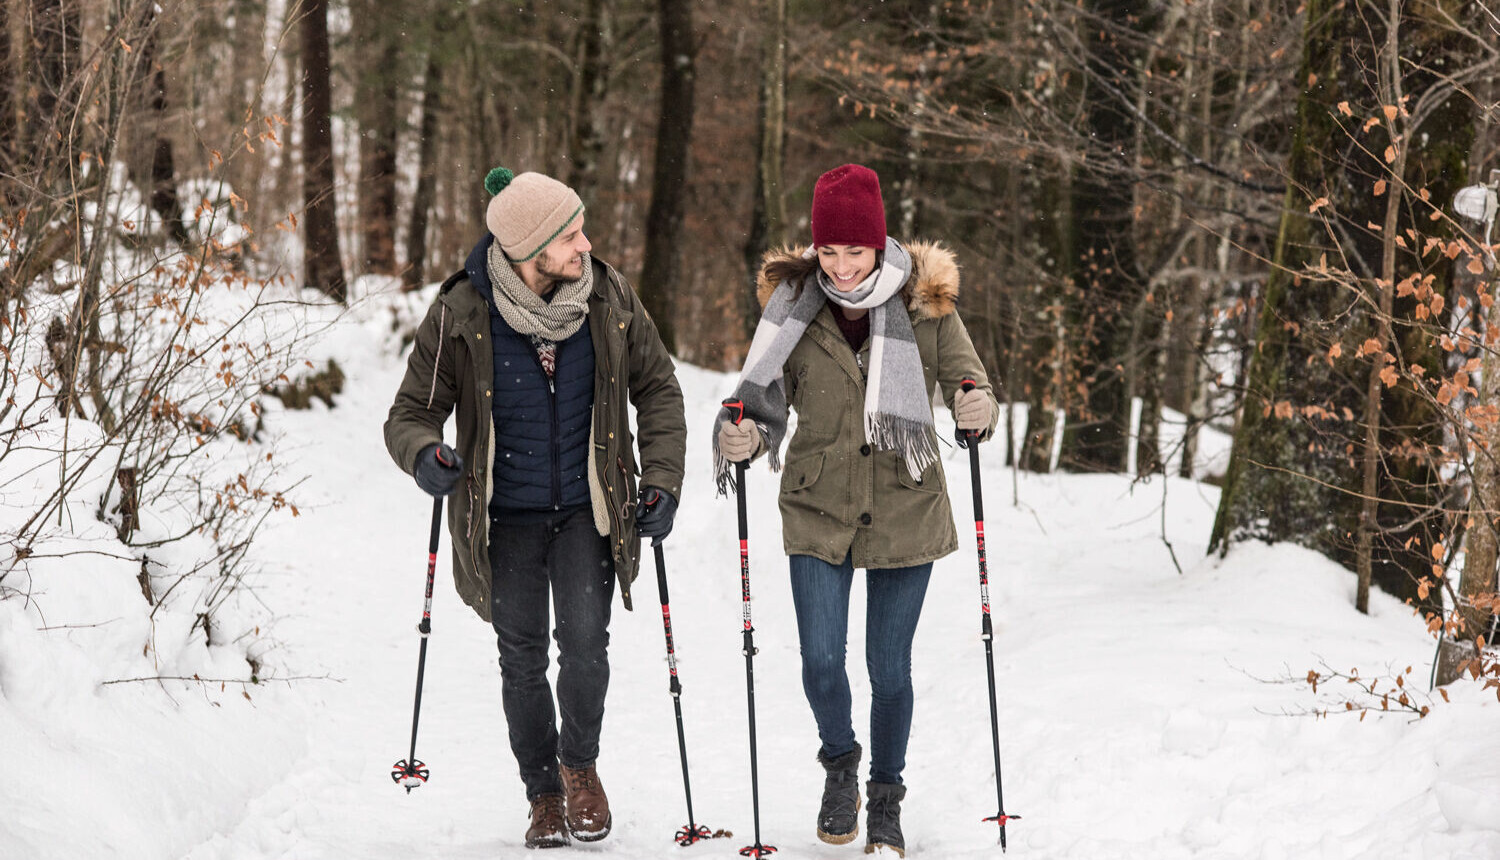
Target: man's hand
(738, 442)
(654, 513)
(438, 470)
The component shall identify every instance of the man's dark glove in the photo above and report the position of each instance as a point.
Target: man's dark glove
(654, 513)
(438, 470)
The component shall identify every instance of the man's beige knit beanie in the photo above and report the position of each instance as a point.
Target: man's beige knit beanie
(528, 211)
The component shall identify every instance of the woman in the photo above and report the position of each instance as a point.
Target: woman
(854, 334)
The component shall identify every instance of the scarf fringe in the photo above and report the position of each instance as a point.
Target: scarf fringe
(909, 438)
(723, 473)
(724, 470)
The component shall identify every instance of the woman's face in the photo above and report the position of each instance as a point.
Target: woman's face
(846, 265)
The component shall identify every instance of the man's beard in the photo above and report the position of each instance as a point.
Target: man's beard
(557, 270)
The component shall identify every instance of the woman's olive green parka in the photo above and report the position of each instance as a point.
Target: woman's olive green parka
(839, 496)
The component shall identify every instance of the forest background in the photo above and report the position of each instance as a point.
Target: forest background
(1225, 213)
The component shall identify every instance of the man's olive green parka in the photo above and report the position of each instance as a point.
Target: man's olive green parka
(451, 371)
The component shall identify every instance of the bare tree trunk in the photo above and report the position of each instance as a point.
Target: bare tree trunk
(1295, 472)
(323, 265)
(55, 45)
(284, 191)
(422, 198)
(1482, 539)
(586, 145)
(907, 185)
(1106, 267)
(8, 142)
(244, 107)
(47, 145)
(662, 264)
(1481, 547)
(377, 99)
(768, 210)
(477, 150)
(1384, 299)
(163, 179)
(1049, 365)
(1195, 369)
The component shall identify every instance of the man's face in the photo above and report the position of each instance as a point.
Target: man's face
(562, 260)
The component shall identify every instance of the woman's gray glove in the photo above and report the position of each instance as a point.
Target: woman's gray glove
(971, 415)
(738, 442)
(971, 410)
(438, 470)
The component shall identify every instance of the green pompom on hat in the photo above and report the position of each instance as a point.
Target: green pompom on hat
(496, 180)
(528, 211)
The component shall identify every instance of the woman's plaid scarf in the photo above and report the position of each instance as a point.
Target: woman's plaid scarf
(897, 411)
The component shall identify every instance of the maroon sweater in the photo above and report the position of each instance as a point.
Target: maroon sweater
(854, 331)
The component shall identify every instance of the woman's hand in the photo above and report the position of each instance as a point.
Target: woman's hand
(971, 410)
(738, 442)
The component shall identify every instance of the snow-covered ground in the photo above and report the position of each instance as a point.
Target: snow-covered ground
(1140, 711)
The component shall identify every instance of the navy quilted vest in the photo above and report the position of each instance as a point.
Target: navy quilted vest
(541, 428)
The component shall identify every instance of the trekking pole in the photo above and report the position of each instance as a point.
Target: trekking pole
(692, 832)
(409, 772)
(737, 414)
(987, 632)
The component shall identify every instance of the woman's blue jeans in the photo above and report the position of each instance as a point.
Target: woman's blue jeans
(820, 592)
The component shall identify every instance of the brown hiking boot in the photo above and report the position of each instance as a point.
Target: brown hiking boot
(547, 828)
(588, 809)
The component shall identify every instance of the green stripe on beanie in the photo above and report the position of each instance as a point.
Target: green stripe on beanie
(547, 241)
(528, 211)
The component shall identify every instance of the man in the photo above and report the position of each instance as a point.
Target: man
(537, 346)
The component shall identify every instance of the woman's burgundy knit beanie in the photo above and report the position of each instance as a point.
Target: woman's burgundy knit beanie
(847, 208)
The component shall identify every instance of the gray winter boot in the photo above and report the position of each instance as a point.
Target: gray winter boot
(883, 826)
(838, 817)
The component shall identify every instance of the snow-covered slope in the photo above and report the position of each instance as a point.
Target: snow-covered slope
(1139, 711)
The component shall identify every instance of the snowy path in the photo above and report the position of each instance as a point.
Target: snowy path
(1132, 721)
(1129, 725)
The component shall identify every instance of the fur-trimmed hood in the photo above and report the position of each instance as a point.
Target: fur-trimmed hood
(930, 292)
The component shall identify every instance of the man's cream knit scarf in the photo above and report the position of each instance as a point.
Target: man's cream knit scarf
(529, 313)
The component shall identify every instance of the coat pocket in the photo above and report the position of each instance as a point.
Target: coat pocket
(930, 481)
(802, 473)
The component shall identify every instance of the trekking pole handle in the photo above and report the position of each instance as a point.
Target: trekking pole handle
(736, 409)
